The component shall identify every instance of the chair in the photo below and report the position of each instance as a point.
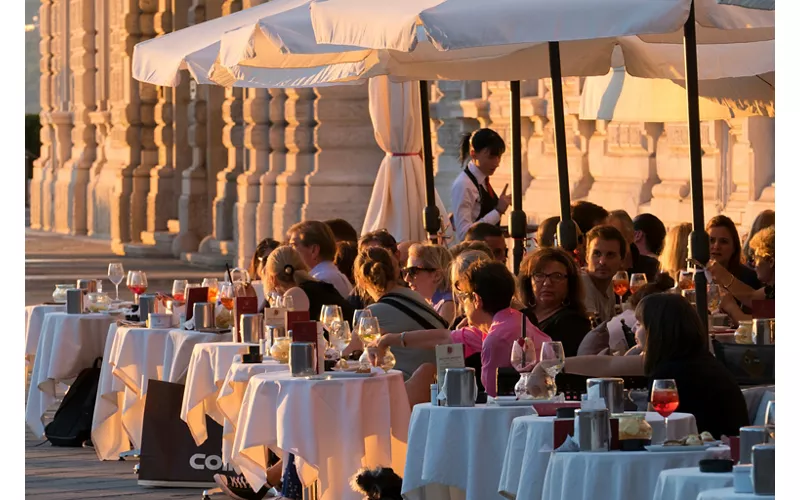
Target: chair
(749, 364)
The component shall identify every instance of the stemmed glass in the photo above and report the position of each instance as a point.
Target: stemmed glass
(179, 290)
(287, 302)
(137, 284)
(226, 295)
(368, 329)
(339, 337)
(116, 274)
(620, 283)
(358, 314)
(638, 280)
(686, 280)
(769, 420)
(714, 297)
(213, 288)
(664, 399)
(552, 359)
(329, 314)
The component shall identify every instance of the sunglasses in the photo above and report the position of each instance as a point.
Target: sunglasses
(411, 272)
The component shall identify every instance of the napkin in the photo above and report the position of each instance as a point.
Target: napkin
(570, 444)
(124, 322)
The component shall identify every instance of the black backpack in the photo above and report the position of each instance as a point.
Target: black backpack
(72, 423)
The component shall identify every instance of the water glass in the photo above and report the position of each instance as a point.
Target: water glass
(115, 275)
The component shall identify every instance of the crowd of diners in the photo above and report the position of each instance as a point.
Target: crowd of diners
(425, 294)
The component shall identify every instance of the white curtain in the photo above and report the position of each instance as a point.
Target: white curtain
(398, 196)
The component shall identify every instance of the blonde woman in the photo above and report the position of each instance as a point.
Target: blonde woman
(426, 273)
(762, 221)
(676, 250)
(287, 274)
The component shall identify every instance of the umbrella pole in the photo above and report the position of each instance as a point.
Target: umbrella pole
(698, 239)
(567, 234)
(519, 221)
(430, 215)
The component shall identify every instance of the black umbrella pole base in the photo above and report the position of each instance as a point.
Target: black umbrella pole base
(430, 217)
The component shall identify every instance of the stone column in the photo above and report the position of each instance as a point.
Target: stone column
(541, 199)
(98, 199)
(44, 163)
(61, 115)
(148, 99)
(255, 112)
(290, 185)
(204, 139)
(448, 127)
(124, 151)
(73, 178)
(752, 167)
(672, 197)
(622, 162)
(276, 165)
(160, 198)
(181, 151)
(347, 158)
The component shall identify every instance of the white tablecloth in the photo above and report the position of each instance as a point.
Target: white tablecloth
(728, 494)
(531, 441)
(457, 452)
(207, 370)
(132, 357)
(333, 427)
(34, 319)
(231, 395)
(679, 484)
(614, 475)
(68, 344)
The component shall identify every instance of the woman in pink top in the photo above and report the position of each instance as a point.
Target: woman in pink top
(485, 293)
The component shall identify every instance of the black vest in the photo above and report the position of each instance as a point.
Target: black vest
(487, 200)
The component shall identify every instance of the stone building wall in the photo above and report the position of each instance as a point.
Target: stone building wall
(204, 173)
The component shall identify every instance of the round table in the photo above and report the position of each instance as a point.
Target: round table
(231, 395)
(34, 318)
(457, 452)
(613, 475)
(208, 367)
(68, 344)
(133, 356)
(531, 441)
(333, 427)
(729, 494)
(678, 484)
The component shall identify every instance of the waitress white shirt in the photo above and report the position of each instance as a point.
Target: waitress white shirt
(466, 204)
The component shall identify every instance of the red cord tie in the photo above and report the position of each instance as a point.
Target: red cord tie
(406, 154)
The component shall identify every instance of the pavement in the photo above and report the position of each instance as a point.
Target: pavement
(76, 473)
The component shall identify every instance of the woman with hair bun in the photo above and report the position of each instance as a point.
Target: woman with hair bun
(397, 308)
(474, 199)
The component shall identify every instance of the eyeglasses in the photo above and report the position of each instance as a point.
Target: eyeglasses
(554, 277)
(411, 272)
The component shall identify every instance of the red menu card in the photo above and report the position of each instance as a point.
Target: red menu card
(193, 296)
(562, 427)
(293, 317)
(243, 305)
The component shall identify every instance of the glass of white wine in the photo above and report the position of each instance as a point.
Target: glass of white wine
(369, 329)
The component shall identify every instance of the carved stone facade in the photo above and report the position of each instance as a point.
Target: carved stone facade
(204, 173)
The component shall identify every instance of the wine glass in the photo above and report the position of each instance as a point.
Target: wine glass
(686, 280)
(329, 314)
(179, 290)
(714, 297)
(116, 274)
(368, 329)
(338, 337)
(137, 284)
(287, 302)
(358, 314)
(552, 360)
(769, 420)
(620, 283)
(664, 399)
(213, 288)
(226, 295)
(638, 280)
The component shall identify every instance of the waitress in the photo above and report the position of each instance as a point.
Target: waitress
(472, 195)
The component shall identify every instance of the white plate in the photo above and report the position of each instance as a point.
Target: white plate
(510, 401)
(333, 375)
(666, 449)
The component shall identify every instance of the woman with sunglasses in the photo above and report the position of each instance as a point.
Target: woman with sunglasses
(426, 273)
(550, 286)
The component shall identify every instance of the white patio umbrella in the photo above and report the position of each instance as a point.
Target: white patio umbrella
(655, 24)
(750, 4)
(397, 201)
(622, 97)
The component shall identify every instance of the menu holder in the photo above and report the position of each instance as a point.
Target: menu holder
(293, 317)
(195, 295)
(275, 316)
(448, 356)
(562, 428)
(243, 305)
(308, 331)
